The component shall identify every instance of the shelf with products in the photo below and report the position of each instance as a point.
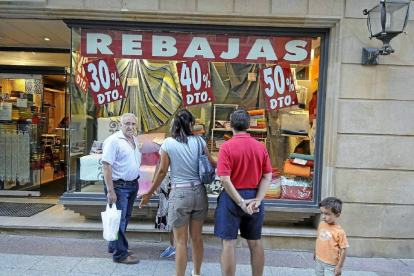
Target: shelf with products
(222, 131)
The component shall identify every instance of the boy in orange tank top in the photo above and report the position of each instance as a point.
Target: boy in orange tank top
(331, 243)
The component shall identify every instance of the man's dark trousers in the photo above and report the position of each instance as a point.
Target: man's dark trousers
(126, 193)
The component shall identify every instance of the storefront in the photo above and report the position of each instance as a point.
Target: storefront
(274, 73)
(33, 123)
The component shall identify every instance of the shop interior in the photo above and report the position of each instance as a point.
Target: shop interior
(153, 93)
(33, 133)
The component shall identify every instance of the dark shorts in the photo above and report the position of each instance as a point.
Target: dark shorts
(229, 218)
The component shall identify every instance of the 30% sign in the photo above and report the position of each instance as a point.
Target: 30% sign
(104, 81)
(195, 82)
(278, 86)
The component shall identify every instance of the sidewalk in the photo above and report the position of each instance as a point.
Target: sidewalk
(33, 255)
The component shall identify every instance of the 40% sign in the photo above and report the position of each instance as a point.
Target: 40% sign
(195, 83)
(104, 81)
(279, 87)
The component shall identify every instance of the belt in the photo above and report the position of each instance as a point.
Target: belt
(189, 184)
(121, 180)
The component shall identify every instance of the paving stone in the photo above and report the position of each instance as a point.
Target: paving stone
(95, 265)
(12, 272)
(283, 271)
(57, 264)
(359, 273)
(28, 245)
(18, 261)
(409, 263)
(43, 273)
(376, 265)
(144, 267)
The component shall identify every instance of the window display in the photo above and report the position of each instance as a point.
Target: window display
(32, 140)
(274, 78)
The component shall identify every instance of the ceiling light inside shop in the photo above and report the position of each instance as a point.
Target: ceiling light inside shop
(1, 37)
(47, 39)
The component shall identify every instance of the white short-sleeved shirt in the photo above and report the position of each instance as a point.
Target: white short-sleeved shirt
(183, 159)
(121, 155)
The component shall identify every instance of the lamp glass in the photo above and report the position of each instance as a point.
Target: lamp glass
(396, 12)
(375, 20)
(395, 19)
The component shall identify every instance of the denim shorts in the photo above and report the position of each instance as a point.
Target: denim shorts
(185, 204)
(230, 217)
(323, 269)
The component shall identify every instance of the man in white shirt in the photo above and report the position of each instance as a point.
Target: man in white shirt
(121, 160)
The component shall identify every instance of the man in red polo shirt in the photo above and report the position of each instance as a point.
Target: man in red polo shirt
(245, 173)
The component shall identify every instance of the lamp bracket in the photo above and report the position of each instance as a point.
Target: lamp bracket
(370, 56)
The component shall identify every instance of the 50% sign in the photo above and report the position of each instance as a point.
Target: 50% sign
(279, 88)
(104, 81)
(195, 82)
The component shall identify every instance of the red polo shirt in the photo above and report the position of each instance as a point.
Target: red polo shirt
(245, 160)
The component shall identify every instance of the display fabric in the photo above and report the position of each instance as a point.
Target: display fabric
(154, 100)
(14, 157)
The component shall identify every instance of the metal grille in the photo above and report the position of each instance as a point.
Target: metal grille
(11, 209)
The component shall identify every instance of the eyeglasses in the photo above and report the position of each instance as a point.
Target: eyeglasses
(130, 124)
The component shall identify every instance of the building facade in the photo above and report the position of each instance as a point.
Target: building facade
(365, 133)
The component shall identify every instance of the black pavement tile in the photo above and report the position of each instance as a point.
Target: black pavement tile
(29, 245)
(74, 247)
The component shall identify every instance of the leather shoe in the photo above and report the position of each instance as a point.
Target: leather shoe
(129, 250)
(128, 260)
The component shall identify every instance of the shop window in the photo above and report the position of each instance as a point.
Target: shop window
(155, 90)
(32, 136)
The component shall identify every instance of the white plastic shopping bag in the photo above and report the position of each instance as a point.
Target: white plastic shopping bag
(111, 219)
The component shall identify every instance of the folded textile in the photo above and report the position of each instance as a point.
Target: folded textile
(289, 168)
(261, 120)
(289, 132)
(198, 127)
(256, 112)
(308, 163)
(296, 189)
(302, 156)
(257, 117)
(264, 135)
(227, 136)
(275, 175)
(260, 125)
(199, 131)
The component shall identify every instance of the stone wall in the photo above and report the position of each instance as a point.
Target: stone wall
(369, 141)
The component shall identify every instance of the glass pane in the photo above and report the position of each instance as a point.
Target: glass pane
(31, 156)
(156, 89)
(396, 14)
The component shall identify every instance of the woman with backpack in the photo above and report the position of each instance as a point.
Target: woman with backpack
(188, 201)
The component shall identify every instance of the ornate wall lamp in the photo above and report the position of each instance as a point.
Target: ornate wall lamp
(385, 21)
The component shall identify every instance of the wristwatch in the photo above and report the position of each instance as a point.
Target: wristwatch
(241, 202)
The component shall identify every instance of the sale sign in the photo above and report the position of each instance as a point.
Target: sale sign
(279, 87)
(104, 81)
(195, 82)
(80, 79)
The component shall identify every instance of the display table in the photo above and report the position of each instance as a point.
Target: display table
(91, 170)
(91, 167)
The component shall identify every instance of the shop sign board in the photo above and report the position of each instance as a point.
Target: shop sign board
(104, 81)
(187, 47)
(195, 82)
(278, 87)
(80, 79)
